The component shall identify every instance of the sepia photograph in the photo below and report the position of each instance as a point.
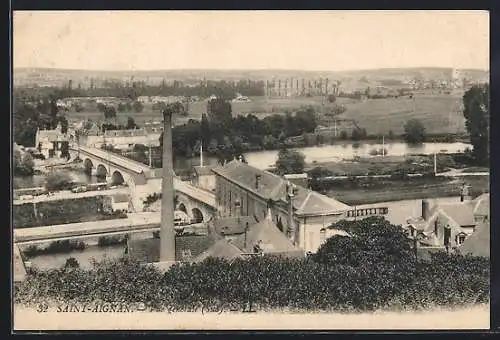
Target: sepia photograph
(250, 170)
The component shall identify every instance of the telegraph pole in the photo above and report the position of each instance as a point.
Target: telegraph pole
(383, 145)
(150, 155)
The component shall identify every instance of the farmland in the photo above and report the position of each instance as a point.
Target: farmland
(440, 113)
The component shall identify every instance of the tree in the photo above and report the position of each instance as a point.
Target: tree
(78, 107)
(477, 115)
(317, 174)
(374, 247)
(358, 134)
(65, 150)
(64, 124)
(121, 107)
(71, 262)
(101, 107)
(23, 163)
(414, 131)
(131, 123)
(219, 110)
(290, 162)
(138, 106)
(343, 135)
(58, 180)
(390, 135)
(109, 112)
(332, 98)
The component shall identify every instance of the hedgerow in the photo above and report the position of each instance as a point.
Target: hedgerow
(62, 212)
(373, 268)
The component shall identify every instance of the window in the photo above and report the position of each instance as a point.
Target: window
(186, 253)
(461, 238)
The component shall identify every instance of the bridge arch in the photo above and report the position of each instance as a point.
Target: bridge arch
(101, 172)
(88, 165)
(182, 208)
(197, 215)
(117, 178)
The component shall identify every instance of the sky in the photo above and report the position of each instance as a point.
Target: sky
(299, 40)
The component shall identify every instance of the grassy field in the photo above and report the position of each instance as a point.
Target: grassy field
(440, 113)
(388, 190)
(381, 115)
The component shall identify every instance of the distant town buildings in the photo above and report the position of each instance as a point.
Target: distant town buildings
(122, 139)
(294, 87)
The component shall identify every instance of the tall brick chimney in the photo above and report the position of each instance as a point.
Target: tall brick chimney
(167, 232)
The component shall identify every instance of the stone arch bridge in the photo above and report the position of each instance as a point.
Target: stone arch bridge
(144, 181)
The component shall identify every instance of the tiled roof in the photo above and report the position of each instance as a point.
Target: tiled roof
(273, 240)
(477, 244)
(306, 202)
(232, 225)
(461, 213)
(482, 205)
(221, 249)
(196, 244)
(148, 250)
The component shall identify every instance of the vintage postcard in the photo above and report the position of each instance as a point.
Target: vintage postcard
(201, 170)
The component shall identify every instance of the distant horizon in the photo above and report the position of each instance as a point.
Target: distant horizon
(251, 69)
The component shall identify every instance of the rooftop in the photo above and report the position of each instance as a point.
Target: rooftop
(272, 239)
(221, 249)
(271, 186)
(477, 244)
(232, 225)
(186, 247)
(205, 170)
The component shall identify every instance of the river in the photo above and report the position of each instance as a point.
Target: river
(38, 180)
(336, 152)
(266, 159)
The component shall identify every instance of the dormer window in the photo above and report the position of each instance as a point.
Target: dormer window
(461, 238)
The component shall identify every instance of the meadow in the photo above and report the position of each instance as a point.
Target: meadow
(440, 113)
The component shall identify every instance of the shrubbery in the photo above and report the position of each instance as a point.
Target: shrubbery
(62, 212)
(104, 241)
(374, 268)
(56, 247)
(58, 180)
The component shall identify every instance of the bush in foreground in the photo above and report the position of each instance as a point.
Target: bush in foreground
(373, 268)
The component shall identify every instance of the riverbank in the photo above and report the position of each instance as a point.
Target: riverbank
(368, 191)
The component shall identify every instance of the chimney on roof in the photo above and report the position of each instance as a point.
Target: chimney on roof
(465, 194)
(425, 209)
(257, 181)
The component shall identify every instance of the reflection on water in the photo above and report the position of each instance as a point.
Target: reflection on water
(332, 153)
(338, 152)
(39, 180)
